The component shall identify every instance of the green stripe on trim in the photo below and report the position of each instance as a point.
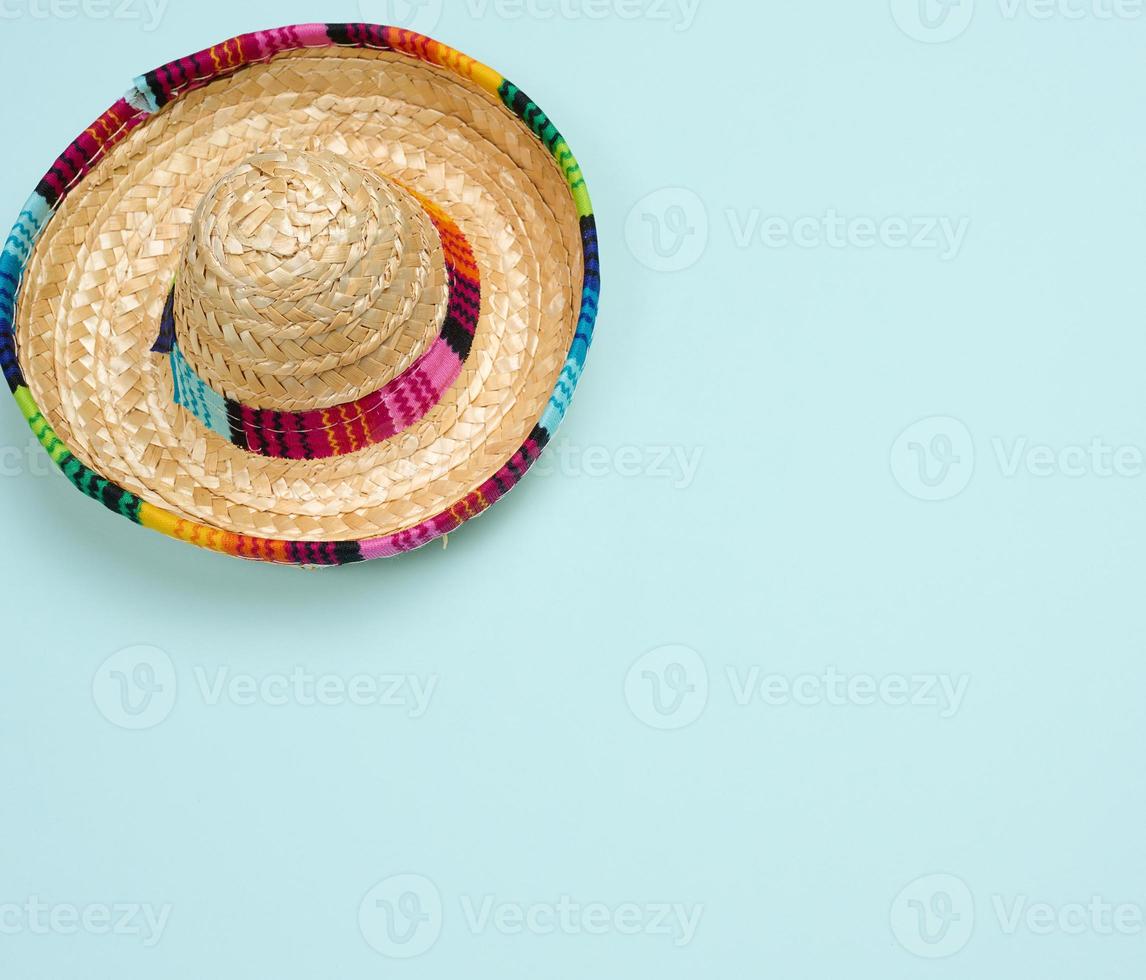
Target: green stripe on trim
(129, 506)
(95, 486)
(530, 113)
(83, 478)
(26, 402)
(48, 438)
(574, 177)
(581, 199)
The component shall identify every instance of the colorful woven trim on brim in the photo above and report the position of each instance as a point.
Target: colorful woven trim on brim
(351, 426)
(149, 94)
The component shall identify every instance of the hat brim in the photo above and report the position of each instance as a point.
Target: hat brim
(85, 274)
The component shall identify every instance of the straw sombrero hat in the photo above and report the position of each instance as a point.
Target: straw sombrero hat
(314, 295)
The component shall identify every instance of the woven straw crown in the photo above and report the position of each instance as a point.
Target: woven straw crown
(307, 281)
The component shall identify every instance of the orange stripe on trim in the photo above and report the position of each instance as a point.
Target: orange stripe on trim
(347, 427)
(326, 424)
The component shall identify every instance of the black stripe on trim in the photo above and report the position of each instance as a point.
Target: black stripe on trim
(235, 421)
(459, 339)
(541, 436)
(340, 34)
(347, 552)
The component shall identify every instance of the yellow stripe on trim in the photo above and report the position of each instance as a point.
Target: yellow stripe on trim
(158, 519)
(486, 77)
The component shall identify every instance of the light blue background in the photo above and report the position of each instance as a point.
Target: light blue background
(797, 546)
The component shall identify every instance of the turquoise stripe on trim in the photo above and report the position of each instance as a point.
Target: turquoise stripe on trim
(202, 402)
(574, 363)
(28, 226)
(141, 96)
